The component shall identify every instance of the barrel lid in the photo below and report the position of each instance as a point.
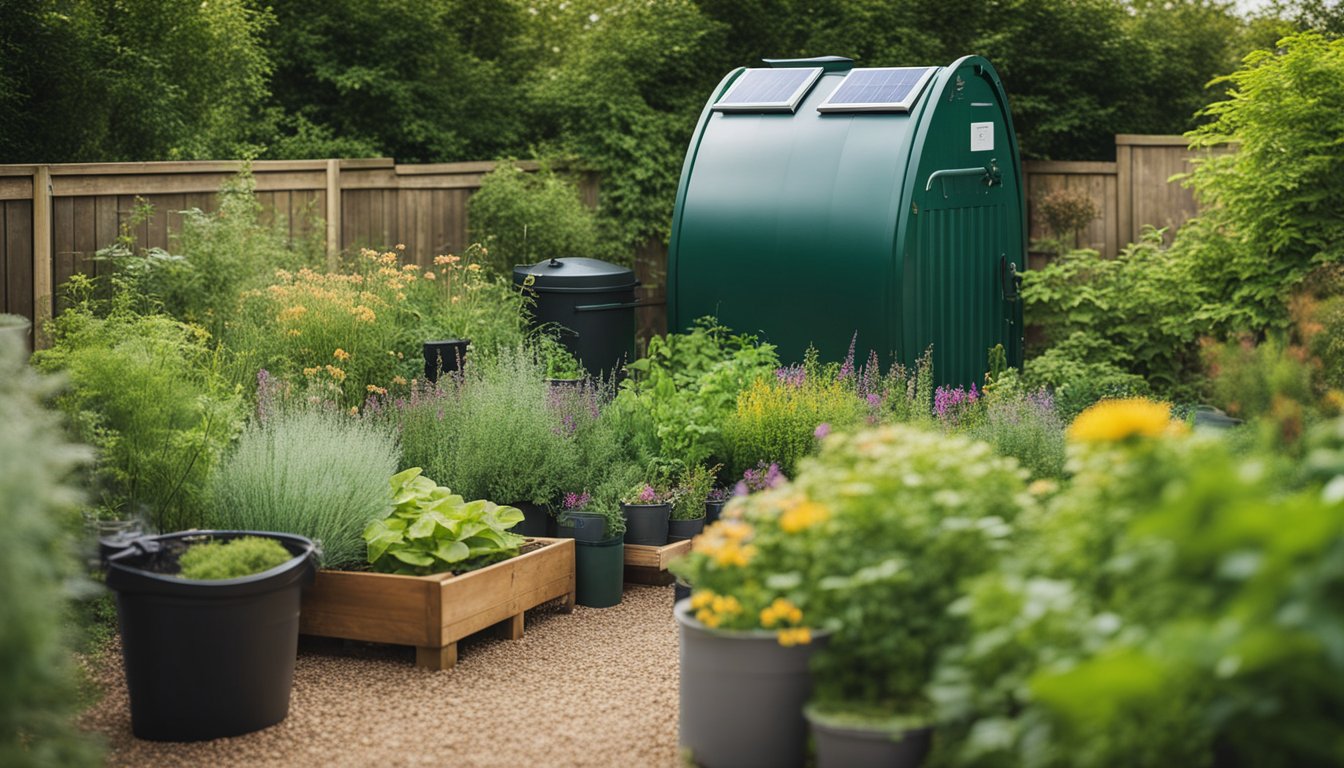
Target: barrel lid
(574, 272)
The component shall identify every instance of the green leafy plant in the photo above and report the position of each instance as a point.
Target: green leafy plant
(41, 498)
(1064, 214)
(1022, 424)
(529, 217)
(149, 392)
(693, 487)
(560, 363)
(320, 474)
(433, 530)
(232, 559)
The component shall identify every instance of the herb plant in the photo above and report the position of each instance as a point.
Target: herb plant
(232, 559)
(433, 530)
(693, 489)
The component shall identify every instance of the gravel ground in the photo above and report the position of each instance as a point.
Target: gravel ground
(592, 688)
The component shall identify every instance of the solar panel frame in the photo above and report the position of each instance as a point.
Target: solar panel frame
(786, 104)
(902, 104)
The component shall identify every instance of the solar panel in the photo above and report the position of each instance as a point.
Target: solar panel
(768, 90)
(880, 89)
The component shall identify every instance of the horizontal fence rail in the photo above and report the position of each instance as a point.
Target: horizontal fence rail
(54, 218)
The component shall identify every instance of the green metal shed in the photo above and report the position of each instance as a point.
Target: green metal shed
(818, 199)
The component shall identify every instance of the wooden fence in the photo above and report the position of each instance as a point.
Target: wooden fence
(1131, 192)
(81, 208)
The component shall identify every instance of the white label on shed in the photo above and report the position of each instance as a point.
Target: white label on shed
(982, 137)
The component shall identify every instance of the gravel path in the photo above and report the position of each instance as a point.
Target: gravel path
(593, 688)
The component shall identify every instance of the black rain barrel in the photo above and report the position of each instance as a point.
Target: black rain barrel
(207, 659)
(590, 302)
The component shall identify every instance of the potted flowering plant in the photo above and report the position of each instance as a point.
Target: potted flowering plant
(714, 501)
(599, 549)
(690, 502)
(647, 509)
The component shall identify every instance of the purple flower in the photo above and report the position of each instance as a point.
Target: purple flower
(823, 429)
(759, 479)
(874, 399)
(793, 375)
(717, 495)
(576, 501)
(648, 495)
(847, 368)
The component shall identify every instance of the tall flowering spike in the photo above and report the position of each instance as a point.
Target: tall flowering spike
(847, 369)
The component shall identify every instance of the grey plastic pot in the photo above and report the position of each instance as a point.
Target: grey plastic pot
(646, 524)
(848, 745)
(742, 695)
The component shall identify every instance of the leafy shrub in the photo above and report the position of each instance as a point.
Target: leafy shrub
(1250, 380)
(1064, 214)
(232, 559)
(1077, 372)
(1269, 207)
(1133, 314)
(149, 393)
(529, 217)
(693, 487)
(320, 474)
(431, 530)
(1327, 342)
(218, 256)
(39, 511)
(497, 432)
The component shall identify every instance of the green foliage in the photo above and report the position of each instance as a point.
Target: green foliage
(232, 559)
(529, 217)
(1024, 425)
(693, 487)
(86, 80)
(686, 388)
(560, 363)
(1250, 380)
(39, 696)
(776, 418)
(220, 255)
(1327, 344)
(498, 431)
(1132, 315)
(1269, 207)
(320, 474)
(148, 392)
(433, 530)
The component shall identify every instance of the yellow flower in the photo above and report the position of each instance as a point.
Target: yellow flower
(295, 332)
(446, 260)
(292, 313)
(803, 516)
(336, 373)
(400, 246)
(725, 605)
(701, 599)
(341, 354)
(311, 371)
(410, 267)
(796, 636)
(1115, 420)
(429, 275)
(732, 553)
(375, 389)
(399, 381)
(363, 313)
(733, 530)
(354, 410)
(707, 617)
(474, 267)
(781, 611)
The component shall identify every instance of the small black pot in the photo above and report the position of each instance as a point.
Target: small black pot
(444, 356)
(681, 590)
(582, 526)
(536, 520)
(646, 524)
(680, 530)
(712, 510)
(207, 659)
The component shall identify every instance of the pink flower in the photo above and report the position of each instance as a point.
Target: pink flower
(823, 429)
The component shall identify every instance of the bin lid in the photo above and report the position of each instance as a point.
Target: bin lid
(574, 273)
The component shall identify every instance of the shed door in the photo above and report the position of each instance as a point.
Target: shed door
(955, 302)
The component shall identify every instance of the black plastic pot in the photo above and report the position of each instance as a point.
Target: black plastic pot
(582, 526)
(646, 524)
(207, 659)
(536, 520)
(712, 510)
(445, 356)
(592, 299)
(599, 572)
(680, 530)
(847, 745)
(681, 590)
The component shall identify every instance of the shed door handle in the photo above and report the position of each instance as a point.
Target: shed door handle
(990, 173)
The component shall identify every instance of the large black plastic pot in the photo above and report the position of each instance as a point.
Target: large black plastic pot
(207, 659)
(582, 526)
(592, 299)
(599, 572)
(848, 745)
(680, 530)
(712, 510)
(445, 356)
(742, 695)
(646, 524)
(536, 520)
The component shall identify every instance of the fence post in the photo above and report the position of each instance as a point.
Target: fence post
(333, 213)
(42, 257)
(1124, 192)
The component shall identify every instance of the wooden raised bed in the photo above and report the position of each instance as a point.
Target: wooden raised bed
(648, 565)
(433, 612)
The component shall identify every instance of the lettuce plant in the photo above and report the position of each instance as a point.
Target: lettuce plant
(433, 530)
